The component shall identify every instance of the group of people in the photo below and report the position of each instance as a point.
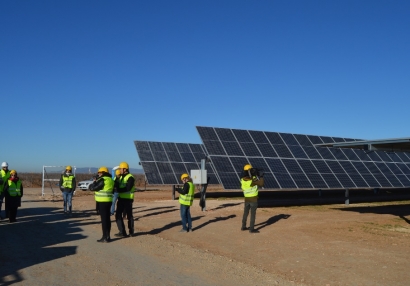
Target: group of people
(11, 189)
(120, 190)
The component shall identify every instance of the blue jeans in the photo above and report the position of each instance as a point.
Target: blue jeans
(186, 217)
(114, 200)
(67, 197)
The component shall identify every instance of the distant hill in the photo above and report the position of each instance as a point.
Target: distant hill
(93, 170)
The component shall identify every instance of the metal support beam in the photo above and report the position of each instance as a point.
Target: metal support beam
(202, 201)
(320, 192)
(173, 192)
(347, 196)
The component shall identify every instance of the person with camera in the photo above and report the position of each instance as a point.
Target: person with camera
(103, 187)
(250, 181)
(186, 199)
(67, 186)
(125, 187)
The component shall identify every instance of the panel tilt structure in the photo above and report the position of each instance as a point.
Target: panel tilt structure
(297, 161)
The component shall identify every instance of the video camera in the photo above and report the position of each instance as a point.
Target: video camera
(255, 172)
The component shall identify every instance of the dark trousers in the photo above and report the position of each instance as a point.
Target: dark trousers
(252, 206)
(104, 210)
(12, 214)
(124, 205)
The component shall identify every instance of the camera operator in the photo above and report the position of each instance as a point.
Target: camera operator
(251, 179)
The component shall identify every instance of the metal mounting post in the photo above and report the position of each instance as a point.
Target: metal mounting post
(347, 196)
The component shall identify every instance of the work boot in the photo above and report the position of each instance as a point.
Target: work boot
(244, 228)
(121, 235)
(103, 239)
(183, 230)
(254, 231)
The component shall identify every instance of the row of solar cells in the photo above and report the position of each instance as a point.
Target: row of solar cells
(263, 137)
(317, 174)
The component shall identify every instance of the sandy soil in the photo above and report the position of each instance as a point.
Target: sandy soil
(359, 244)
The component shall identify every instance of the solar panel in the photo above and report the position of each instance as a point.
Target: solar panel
(164, 162)
(295, 161)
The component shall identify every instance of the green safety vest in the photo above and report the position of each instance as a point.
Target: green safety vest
(105, 195)
(68, 181)
(4, 177)
(123, 184)
(14, 189)
(188, 198)
(249, 191)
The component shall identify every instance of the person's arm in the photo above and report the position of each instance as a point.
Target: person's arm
(184, 190)
(97, 185)
(259, 183)
(60, 184)
(6, 190)
(74, 184)
(21, 191)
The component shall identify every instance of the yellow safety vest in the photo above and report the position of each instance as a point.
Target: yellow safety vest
(249, 191)
(123, 184)
(14, 189)
(188, 198)
(68, 181)
(4, 177)
(105, 195)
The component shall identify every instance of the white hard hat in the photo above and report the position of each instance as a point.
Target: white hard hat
(4, 164)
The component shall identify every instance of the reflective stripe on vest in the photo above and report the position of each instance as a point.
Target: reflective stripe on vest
(14, 190)
(188, 198)
(249, 191)
(123, 184)
(105, 195)
(68, 181)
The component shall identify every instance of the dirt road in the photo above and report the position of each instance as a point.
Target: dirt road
(365, 244)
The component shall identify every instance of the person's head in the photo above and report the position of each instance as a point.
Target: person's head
(184, 178)
(124, 168)
(68, 169)
(117, 173)
(246, 170)
(13, 174)
(5, 166)
(102, 170)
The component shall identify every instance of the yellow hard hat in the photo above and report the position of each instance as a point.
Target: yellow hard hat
(184, 175)
(117, 172)
(13, 172)
(68, 168)
(103, 169)
(247, 167)
(124, 165)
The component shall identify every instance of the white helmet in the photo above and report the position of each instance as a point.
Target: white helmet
(4, 164)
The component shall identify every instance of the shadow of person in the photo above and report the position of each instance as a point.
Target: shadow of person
(271, 220)
(167, 226)
(213, 220)
(226, 206)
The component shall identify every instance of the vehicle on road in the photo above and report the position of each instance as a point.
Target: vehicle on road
(83, 185)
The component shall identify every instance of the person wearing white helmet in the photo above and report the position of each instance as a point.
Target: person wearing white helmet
(5, 175)
(67, 186)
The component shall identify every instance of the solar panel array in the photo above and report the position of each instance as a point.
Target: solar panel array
(292, 161)
(164, 162)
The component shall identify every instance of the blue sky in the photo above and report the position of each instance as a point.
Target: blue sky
(81, 80)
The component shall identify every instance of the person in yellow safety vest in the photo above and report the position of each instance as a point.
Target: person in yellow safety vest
(125, 187)
(13, 190)
(249, 186)
(67, 186)
(4, 176)
(186, 199)
(103, 187)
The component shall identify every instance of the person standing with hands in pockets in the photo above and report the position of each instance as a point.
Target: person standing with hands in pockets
(103, 187)
(186, 199)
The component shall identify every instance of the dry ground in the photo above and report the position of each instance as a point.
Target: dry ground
(359, 244)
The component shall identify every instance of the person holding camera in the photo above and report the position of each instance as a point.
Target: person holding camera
(67, 186)
(13, 191)
(186, 198)
(250, 181)
(103, 187)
